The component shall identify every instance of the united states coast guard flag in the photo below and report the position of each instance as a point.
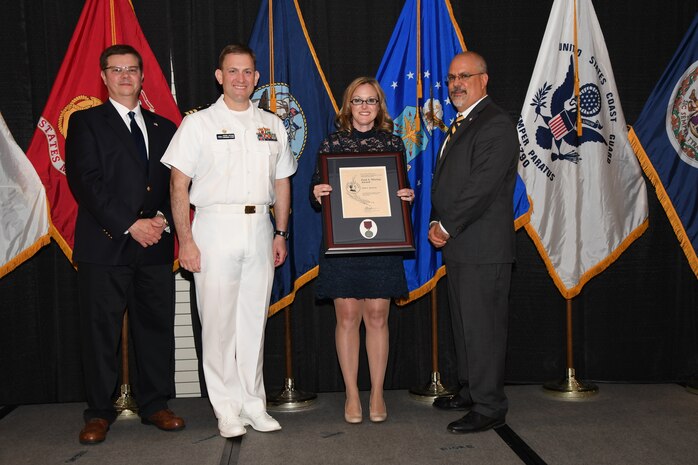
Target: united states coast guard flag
(23, 206)
(292, 85)
(79, 86)
(589, 198)
(665, 139)
(413, 76)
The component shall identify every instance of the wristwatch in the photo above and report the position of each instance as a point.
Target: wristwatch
(160, 214)
(284, 234)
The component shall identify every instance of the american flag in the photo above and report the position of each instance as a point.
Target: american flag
(560, 125)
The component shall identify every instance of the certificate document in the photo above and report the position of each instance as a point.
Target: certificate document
(365, 192)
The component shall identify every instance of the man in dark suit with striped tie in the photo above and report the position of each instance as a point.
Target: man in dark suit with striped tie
(472, 222)
(124, 246)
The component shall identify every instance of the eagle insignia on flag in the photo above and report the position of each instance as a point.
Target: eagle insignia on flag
(289, 110)
(559, 126)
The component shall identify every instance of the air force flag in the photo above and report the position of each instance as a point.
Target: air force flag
(413, 76)
(590, 201)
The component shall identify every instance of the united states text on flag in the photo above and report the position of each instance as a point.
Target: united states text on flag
(589, 198)
(79, 86)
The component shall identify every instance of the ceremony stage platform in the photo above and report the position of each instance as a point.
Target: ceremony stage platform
(640, 424)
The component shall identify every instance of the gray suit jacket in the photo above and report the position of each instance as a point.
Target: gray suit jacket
(473, 188)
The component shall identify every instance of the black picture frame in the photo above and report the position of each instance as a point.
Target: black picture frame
(365, 234)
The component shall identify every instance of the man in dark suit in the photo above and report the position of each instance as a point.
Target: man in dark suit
(124, 246)
(472, 221)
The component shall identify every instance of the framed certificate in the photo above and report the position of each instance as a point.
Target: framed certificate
(363, 214)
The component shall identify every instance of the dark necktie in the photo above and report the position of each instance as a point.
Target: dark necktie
(138, 138)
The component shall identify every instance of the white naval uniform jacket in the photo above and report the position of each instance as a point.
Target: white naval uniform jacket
(232, 157)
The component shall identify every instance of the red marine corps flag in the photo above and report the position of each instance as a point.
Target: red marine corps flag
(79, 86)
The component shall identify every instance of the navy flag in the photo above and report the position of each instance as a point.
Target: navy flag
(665, 139)
(292, 85)
(413, 76)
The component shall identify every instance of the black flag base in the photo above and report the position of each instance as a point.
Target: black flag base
(570, 388)
(432, 390)
(290, 399)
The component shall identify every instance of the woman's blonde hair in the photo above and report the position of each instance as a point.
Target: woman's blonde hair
(383, 122)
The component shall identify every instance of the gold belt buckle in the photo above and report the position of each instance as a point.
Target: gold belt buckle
(249, 209)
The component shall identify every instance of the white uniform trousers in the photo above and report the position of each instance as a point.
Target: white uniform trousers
(232, 293)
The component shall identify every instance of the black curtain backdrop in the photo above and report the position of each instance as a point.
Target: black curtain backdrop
(636, 322)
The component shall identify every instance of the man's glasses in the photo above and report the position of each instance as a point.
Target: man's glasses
(119, 70)
(356, 101)
(451, 78)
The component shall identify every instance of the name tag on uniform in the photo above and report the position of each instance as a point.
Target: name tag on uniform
(225, 136)
(265, 134)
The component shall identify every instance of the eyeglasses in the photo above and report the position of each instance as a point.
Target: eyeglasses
(119, 70)
(356, 101)
(451, 78)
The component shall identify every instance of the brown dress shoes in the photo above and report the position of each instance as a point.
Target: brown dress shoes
(94, 431)
(164, 419)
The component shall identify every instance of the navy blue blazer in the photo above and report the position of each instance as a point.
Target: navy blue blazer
(113, 186)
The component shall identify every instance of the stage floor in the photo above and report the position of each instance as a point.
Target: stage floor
(623, 424)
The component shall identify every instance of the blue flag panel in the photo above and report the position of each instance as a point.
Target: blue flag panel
(422, 122)
(304, 102)
(666, 142)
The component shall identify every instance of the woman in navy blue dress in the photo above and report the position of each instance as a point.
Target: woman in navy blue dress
(361, 286)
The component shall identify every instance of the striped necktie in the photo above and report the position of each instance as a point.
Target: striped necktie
(456, 123)
(454, 127)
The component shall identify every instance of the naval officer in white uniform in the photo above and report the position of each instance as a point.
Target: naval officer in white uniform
(238, 161)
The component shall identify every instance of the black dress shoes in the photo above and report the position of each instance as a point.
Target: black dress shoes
(452, 403)
(474, 422)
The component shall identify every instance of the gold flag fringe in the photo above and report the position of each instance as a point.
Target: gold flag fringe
(665, 200)
(24, 255)
(569, 293)
(297, 284)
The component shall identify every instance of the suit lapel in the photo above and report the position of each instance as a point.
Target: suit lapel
(462, 129)
(124, 134)
(153, 141)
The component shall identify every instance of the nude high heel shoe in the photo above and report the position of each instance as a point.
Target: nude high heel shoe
(353, 418)
(378, 417)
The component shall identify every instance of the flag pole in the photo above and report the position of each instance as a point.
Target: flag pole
(570, 388)
(125, 404)
(433, 388)
(289, 398)
(578, 122)
(419, 66)
(272, 87)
